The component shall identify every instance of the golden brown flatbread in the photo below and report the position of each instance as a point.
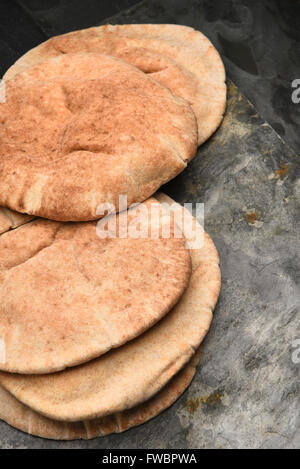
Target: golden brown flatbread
(71, 142)
(23, 418)
(125, 377)
(68, 296)
(177, 56)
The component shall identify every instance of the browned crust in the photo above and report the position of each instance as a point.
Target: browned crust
(10, 220)
(132, 374)
(23, 418)
(178, 56)
(67, 296)
(79, 130)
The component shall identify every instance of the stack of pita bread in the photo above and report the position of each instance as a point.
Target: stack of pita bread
(99, 334)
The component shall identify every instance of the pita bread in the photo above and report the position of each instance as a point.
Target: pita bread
(22, 417)
(72, 143)
(178, 56)
(133, 373)
(68, 296)
(10, 219)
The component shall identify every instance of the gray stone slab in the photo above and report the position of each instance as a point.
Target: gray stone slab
(246, 393)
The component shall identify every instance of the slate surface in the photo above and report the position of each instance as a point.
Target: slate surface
(246, 391)
(56, 16)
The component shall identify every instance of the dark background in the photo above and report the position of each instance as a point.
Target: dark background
(259, 41)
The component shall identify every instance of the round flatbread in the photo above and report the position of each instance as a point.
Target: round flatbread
(68, 295)
(23, 418)
(133, 373)
(10, 220)
(178, 56)
(70, 142)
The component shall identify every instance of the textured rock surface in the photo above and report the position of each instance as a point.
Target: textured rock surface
(246, 392)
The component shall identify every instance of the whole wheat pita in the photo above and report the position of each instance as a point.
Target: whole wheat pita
(178, 56)
(68, 296)
(24, 418)
(132, 374)
(70, 144)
